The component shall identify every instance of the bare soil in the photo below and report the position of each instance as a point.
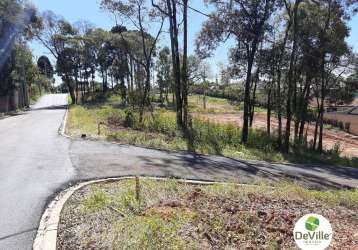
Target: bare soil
(348, 142)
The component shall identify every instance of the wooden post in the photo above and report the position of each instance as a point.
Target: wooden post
(99, 127)
(137, 188)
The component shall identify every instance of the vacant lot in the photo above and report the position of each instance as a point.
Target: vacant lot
(348, 143)
(216, 131)
(172, 215)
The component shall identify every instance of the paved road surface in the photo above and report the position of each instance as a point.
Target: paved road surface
(94, 159)
(35, 162)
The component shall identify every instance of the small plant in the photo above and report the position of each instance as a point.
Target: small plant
(97, 200)
(336, 149)
(130, 119)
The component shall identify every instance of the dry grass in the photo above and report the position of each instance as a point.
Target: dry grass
(171, 215)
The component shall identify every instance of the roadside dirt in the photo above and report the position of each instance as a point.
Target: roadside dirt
(348, 142)
(176, 216)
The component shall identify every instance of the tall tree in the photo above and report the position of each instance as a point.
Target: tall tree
(140, 16)
(171, 9)
(247, 22)
(53, 34)
(17, 22)
(293, 15)
(164, 75)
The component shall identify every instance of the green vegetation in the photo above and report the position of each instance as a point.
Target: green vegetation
(158, 129)
(174, 215)
(22, 80)
(213, 104)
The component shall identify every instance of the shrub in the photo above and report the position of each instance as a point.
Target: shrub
(336, 149)
(116, 118)
(131, 120)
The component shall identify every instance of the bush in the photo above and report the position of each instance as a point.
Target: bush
(131, 119)
(215, 138)
(163, 123)
(116, 118)
(336, 150)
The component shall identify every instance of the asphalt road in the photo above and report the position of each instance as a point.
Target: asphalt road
(35, 162)
(97, 159)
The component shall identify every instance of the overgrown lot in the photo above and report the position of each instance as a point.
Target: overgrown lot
(172, 215)
(110, 120)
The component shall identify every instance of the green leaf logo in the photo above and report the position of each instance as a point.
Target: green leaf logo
(312, 223)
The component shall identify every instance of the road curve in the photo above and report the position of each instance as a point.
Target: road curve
(34, 163)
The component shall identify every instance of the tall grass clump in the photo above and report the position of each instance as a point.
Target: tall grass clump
(218, 138)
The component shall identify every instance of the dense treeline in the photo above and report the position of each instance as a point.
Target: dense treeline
(290, 56)
(296, 51)
(21, 79)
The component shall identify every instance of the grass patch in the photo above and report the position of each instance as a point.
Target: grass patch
(159, 130)
(213, 104)
(173, 215)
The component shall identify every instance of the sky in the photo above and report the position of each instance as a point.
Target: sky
(89, 10)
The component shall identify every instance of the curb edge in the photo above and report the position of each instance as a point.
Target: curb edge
(46, 236)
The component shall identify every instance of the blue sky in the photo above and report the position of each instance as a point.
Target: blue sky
(76, 10)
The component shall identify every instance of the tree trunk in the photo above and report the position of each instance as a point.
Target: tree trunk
(184, 67)
(253, 101)
(173, 28)
(70, 89)
(145, 98)
(321, 110)
(316, 126)
(279, 77)
(77, 90)
(291, 78)
(269, 111)
(245, 127)
(303, 107)
(161, 95)
(204, 99)
(104, 81)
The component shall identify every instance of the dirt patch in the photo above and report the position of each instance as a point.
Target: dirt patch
(348, 142)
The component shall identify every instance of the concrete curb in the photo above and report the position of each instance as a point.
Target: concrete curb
(46, 236)
(62, 128)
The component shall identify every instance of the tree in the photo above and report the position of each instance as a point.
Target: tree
(54, 34)
(247, 22)
(139, 15)
(24, 73)
(17, 21)
(164, 74)
(204, 73)
(293, 15)
(97, 45)
(170, 9)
